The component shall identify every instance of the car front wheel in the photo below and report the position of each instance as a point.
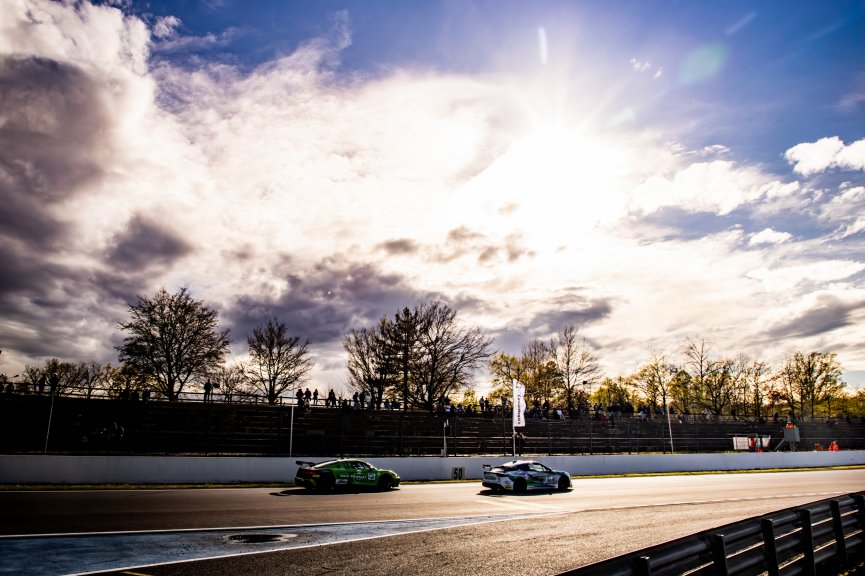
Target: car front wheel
(564, 484)
(520, 486)
(385, 483)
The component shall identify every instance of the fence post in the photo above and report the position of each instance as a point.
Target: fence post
(642, 567)
(806, 540)
(838, 529)
(770, 550)
(719, 555)
(860, 504)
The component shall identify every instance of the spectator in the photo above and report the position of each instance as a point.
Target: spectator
(520, 441)
(299, 398)
(331, 397)
(833, 446)
(307, 396)
(207, 388)
(315, 397)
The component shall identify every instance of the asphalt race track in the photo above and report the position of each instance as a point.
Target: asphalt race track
(416, 529)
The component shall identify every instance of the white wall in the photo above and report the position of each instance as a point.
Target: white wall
(49, 469)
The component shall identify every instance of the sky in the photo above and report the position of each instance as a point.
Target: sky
(647, 171)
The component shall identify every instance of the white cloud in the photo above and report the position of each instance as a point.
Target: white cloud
(826, 153)
(274, 175)
(719, 187)
(166, 26)
(769, 236)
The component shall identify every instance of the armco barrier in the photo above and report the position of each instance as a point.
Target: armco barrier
(823, 537)
(65, 469)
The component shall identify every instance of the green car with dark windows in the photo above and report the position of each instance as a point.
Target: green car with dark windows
(344, 473)
(520, 476)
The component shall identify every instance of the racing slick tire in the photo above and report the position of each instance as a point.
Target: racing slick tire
(564, 484)
(520, 486)
(326, 483)
(385, 483)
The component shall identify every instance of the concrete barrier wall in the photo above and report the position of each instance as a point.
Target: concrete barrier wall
(49, 469)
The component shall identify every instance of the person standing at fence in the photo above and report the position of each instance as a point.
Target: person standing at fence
(207, 388)
(315, 397)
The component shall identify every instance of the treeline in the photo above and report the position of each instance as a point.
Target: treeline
(423, 357)
(565, 372)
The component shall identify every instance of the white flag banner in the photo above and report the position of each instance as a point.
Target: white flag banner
(519, 404)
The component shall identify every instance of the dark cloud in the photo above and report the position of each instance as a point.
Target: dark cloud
(144, 244)
(568, 307)
(463, 242)
(53, 122)
(325, 303)
(400, 247)
(52, 310)
(828, 314)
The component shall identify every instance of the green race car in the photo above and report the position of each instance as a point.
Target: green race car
(343, 473)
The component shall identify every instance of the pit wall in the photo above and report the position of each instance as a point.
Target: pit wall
(51, 469)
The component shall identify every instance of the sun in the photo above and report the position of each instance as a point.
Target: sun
(560, 177)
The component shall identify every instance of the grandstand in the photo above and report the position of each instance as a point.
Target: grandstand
(112, 426)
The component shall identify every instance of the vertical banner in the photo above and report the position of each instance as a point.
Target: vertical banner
(519, 404)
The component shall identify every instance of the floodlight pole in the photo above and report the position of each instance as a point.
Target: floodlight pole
(673, 371)
(445, 439)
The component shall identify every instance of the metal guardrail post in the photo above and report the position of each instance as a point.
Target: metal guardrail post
(806, 540)
(860, 504)
(838, 530)
(719, 556)
(642, 567)
(770, 550)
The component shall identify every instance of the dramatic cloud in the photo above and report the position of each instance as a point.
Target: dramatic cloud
(306, 186)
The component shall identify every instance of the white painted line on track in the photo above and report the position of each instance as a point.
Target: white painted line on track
(80, 554)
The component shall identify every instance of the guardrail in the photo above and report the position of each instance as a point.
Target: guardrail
(823, 537)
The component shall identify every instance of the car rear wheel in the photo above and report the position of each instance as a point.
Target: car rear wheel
(520, 486)
(385, 483)
(325, 483)
(563, 483)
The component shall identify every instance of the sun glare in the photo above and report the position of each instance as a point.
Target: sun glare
(564, 180)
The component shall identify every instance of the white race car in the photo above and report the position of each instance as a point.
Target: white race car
(520, 476)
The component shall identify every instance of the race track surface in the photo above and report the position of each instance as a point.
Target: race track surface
(417, 529)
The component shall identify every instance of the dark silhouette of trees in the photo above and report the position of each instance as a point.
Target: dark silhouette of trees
(577, 365)
(450, 354)
(278, 362)
(173, 339)
(812, 378)
(422, 356)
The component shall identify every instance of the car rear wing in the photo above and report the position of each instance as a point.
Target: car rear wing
(304, 464)
(487, 467)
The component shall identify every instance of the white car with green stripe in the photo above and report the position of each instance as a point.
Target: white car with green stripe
(520, 476)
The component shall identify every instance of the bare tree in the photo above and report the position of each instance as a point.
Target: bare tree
(401, 347)
(231, 382)
(577, 365)
(173, 339)
(810, 379)
(369, 368)
(277, 361)
(450, 355)
(654, 379)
